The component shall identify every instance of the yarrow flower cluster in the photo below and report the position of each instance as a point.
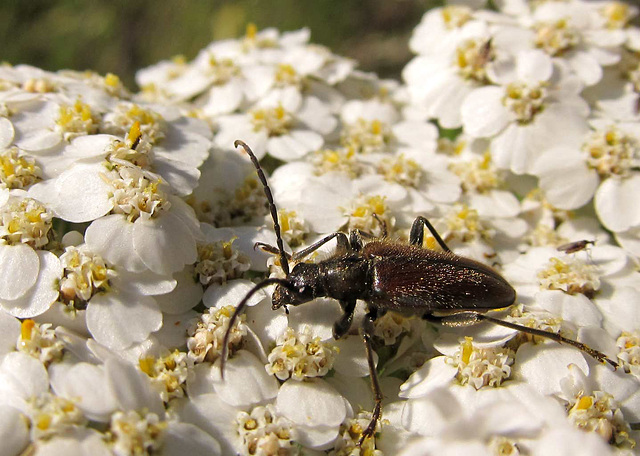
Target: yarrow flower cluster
(131, 229)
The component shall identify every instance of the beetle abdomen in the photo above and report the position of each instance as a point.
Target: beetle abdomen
(405, 277)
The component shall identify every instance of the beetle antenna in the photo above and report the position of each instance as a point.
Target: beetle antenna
(225, 342)
(272, 205)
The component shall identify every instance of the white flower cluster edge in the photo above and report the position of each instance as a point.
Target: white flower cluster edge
(128, 223)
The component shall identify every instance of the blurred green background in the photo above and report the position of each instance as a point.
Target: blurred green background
(122, 36)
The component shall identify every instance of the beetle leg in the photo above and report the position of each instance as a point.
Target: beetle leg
(455, 320)
(471, 318)
(367, 334)
(343, 245)
(355, 239)
(599, 356)
(416, 235)
(383, 226)
(269, 249)
(341, 327)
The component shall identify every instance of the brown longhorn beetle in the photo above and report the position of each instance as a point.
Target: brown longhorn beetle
(440, 287)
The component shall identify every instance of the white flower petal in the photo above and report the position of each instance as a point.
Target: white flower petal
(543, 366)
(565, 441)
(565, 178)
(616, 203)
(112, 238)
(246, 381)
(184, 438)
(185, 296)
(9, 333)
(231, 293)
(319, 316)
(131, 388)
(86, 385)
(534, 66)
(430, 415)
(14, 431)
(118, 320)
(422, 135)
(434, 374)
(577, 309)
(44, 293)
(214, 416)
(21, 377)
(483, 114)
(586, 67)
(294, 145)
(144, 283)
(81, 194)
(89, 146)
(316, 437)
(19, 267)
(352, 357)
(311, 403)
(165, 244)
(6, 132)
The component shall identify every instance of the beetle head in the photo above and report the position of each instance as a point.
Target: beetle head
(303, 280)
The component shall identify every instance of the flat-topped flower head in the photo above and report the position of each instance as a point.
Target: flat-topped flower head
(246, 204)
(132, 432)
(612, 152)
(293, 227)
(390, 327)
(207, 334)
(85, 275)
(168, 373)
(351, 430)
(40, 341)
(221, 70)
(254, 39)
(135, 195)
(616, 14)
(571, 275)
(17, 169)
(472, 57)
(135, 148)
(219, 262)
(76, 120)
(524, 100)
(286, 75)
(25, 221)
(300, 356)
(341, 160)
(401, 170)
(537, 319)
(52, 415)
(478, 174)
(285, 123)
(275, 121)
(537, 105)
(481, 367)
(366, 136)
(262, 431)
(119, 121)
(628, 344)
(455, 16)
(600, 413)
(504, 446)
(361, 214)
(464, 224)
(556, 37)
